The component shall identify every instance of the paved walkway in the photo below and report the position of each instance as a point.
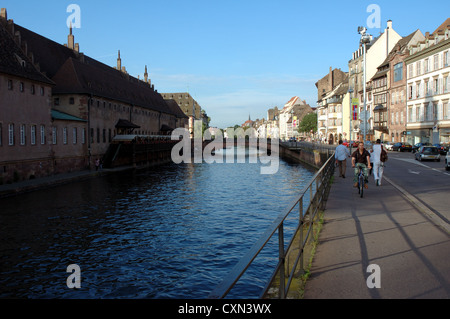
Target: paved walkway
(383, 228)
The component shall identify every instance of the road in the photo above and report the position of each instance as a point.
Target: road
(428, 181)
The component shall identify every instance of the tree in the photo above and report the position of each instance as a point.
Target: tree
(308, 123)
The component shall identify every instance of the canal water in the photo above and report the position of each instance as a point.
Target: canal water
(172, 231)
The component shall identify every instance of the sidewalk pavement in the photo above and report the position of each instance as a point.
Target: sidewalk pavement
(384, 228)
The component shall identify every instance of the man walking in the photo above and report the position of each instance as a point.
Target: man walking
(378, 165)
(340, 156)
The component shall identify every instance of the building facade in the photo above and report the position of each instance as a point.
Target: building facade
(60, 109)
(332, 90)
(396, 106)
(377, 50)
(428, 90)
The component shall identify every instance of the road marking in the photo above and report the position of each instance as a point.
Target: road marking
(412, 172)
(411, 161)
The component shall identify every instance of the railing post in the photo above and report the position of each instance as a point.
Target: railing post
(301, 221)
(282, 292)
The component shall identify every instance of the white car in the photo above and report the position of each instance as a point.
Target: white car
(447, 161)
(388, 146)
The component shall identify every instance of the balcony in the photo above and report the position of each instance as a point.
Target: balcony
(334, 99)
(381, 126)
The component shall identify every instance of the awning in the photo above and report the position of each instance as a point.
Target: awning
(379, 107)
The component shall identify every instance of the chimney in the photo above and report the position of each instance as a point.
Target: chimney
(145, 75)
(71, 39)
(389, 24)
(3, 14)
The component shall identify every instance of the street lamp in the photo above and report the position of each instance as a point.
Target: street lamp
(350, 91)
(365, 38)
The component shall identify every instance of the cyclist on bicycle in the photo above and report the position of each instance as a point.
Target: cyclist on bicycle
(361, 158)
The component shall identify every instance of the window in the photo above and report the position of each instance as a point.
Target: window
(428, 112)
(445, 110)
(22, 134)
(56, 100)
(426, 66)
(74, 135)
(98, 135)
(419, 67)
(11, 134)
(83, 136)
(21, 87)
(42, 134)
(10, 85)
(436, 61)
(435, 86)
(410, 71)
(401, 117)
(54, 135)
(410, 114)
(42, 91)
(71, 101)
(446, 61)
(33, 134)
(92, 136)
(104, 135)
(1, 135)
(65, 135)
(33, 90)
(398, 72)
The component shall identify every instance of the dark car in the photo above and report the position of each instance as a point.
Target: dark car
(418, 145)
(428, 153)
(402, 147)
(441, 148)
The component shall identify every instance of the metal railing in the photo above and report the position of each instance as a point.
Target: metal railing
(318, 190)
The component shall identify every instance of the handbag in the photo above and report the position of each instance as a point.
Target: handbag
(384, 155)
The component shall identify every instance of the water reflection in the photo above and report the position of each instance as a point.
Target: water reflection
(173, 231)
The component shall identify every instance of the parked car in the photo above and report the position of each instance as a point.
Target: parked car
(418, 145)
(388, 146)
(402, 147)
(447, 161)
(428, 153)
(441, 149)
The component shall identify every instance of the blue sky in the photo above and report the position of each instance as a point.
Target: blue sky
(234, 57)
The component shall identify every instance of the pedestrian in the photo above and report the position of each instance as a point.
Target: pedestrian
(340, 156)
(378, 165)
(97, 164)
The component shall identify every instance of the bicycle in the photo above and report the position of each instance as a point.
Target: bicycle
(361, 182)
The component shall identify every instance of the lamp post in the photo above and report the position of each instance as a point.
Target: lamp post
(350, 91)
(365, 38)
